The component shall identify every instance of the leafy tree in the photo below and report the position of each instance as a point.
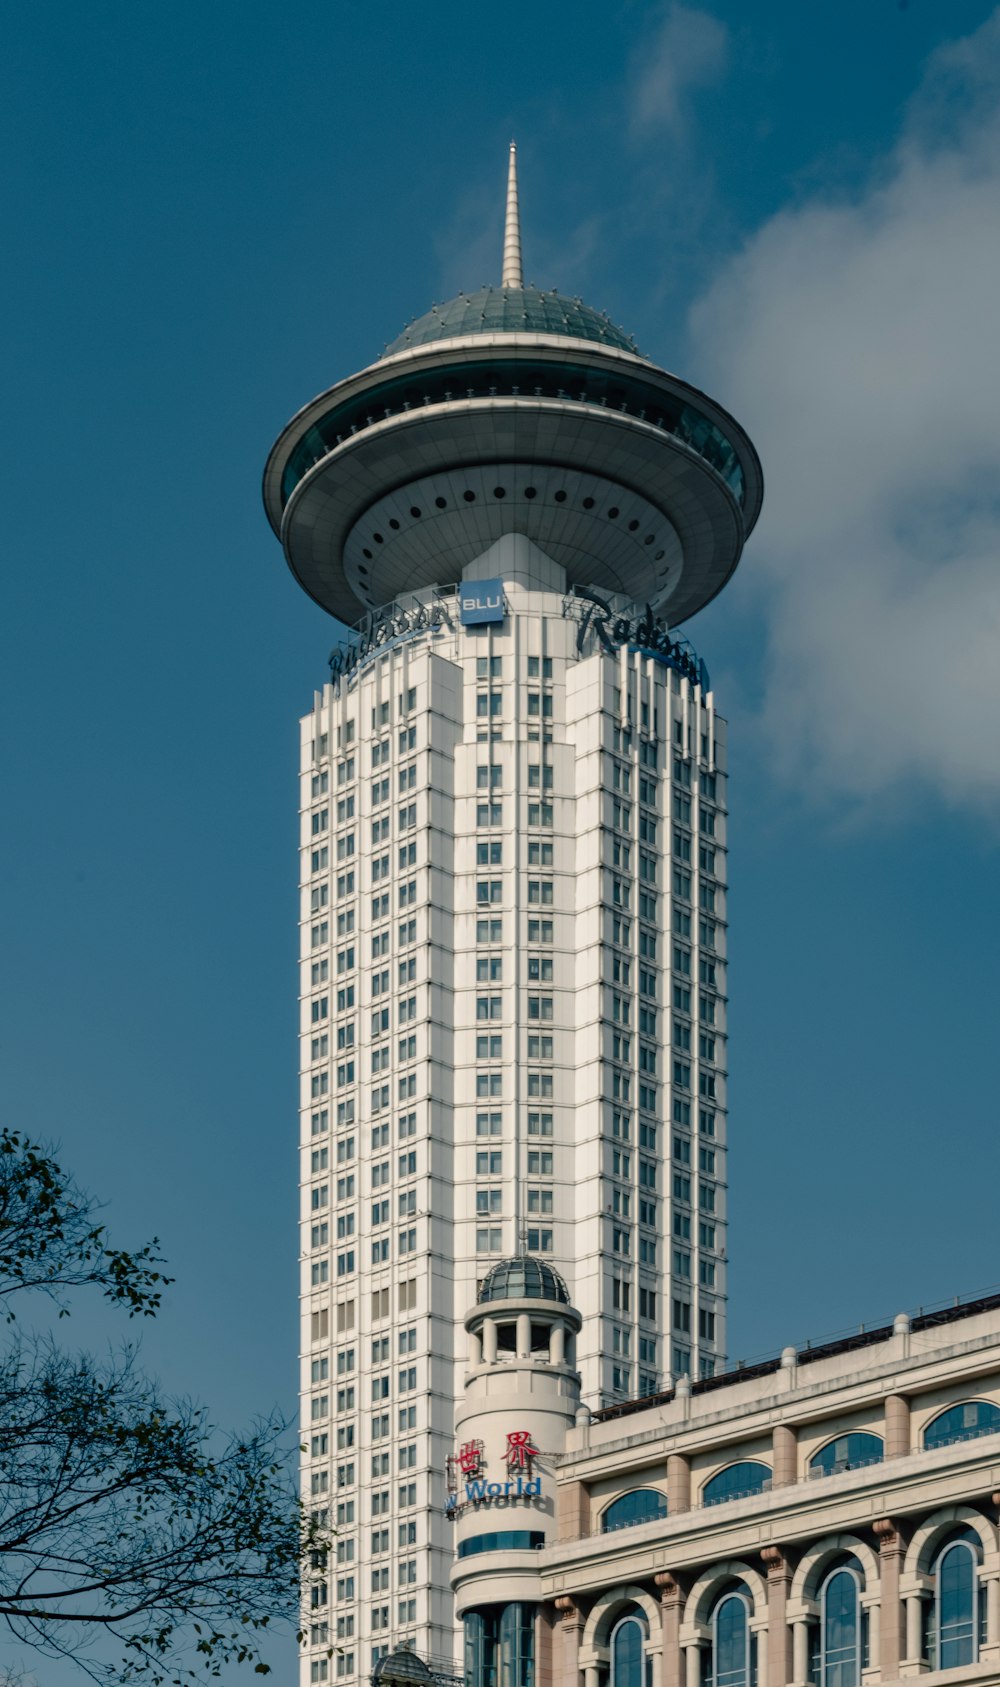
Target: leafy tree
(134, 1538)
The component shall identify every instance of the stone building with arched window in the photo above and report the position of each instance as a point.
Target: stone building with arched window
(825, 1519)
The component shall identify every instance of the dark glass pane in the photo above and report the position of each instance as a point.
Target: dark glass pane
(517, 1645)
(731, 1649)
(848, 1452)
(505, 1540)
(747, 1477)
(626, 1654)
(840, 1631)
(963, 1423)
(642, 1505)
(956, 1606)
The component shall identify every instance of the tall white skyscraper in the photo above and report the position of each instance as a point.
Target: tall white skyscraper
(513, 915)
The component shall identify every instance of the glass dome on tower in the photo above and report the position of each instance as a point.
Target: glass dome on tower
(511, 410)
(524, 1278)
(512, 310)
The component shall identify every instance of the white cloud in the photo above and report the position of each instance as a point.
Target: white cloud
(860, 344)
(688, 50)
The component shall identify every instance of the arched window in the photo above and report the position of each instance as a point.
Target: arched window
(840, 1629)
(957, 1615)
(962, 1423)
(642, 1505)
(730, 1656)
(629, 1659)
(847, 1452)
(736, 1482)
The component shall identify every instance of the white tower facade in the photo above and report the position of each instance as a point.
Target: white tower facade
(513, 900)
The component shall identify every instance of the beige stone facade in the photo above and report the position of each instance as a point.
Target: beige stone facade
(890, 1516)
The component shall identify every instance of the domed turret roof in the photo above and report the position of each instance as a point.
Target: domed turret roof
(525, 1278)
(404, 1666)
(512, 310)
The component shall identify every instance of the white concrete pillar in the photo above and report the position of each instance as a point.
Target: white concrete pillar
(692, 1664)
(489, 1341)
(761, 1654)
(557, 1343)
(993, 1610)
(800, 1651)
(874, 1636)
(524, 1335)
(914, 1626)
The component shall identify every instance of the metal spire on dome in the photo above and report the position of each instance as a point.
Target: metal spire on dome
(512, 272)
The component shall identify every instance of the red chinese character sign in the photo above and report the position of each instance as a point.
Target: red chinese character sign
(469, 1458)
(520, 1450)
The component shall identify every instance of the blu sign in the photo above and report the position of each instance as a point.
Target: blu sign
(480, 602)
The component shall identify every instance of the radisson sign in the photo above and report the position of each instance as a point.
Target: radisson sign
(383, 627)
(647, 633)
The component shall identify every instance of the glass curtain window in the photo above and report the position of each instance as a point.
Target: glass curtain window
(481, 1648)
(627, 1648)
(848, 1452)
(517, 1645)
(841, 1630)
(962, 1423)
(731, 1642)
(955, 1589)
(642, 1505)
(737, 1481)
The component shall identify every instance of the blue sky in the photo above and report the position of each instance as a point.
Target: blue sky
(215, 212)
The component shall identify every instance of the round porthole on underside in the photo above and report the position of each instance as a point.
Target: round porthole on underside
(442, 503)
(648, 539)
(361, 568)
(394, 524)
(470, 497)
(415, 511)
(560, 497)
(530, 492)
(499, 491)
(659, 556)
(613, 513)
(588, 503)
(367, 553)
(633, 526)
(378, 538)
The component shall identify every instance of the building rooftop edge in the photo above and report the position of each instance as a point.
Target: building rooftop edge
(946, 1313)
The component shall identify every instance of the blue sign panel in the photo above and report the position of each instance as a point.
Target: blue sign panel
(480, 602)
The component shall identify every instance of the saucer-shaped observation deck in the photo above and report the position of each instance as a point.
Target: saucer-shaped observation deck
(512, 410)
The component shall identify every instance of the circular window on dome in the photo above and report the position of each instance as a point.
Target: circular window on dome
(394, 524)
(588, 503)
(499, 491)
(470, 497)
(530, 492)
(442, 503)
(560, 497)
(415, 511)
(367, 553)
(613, 513)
